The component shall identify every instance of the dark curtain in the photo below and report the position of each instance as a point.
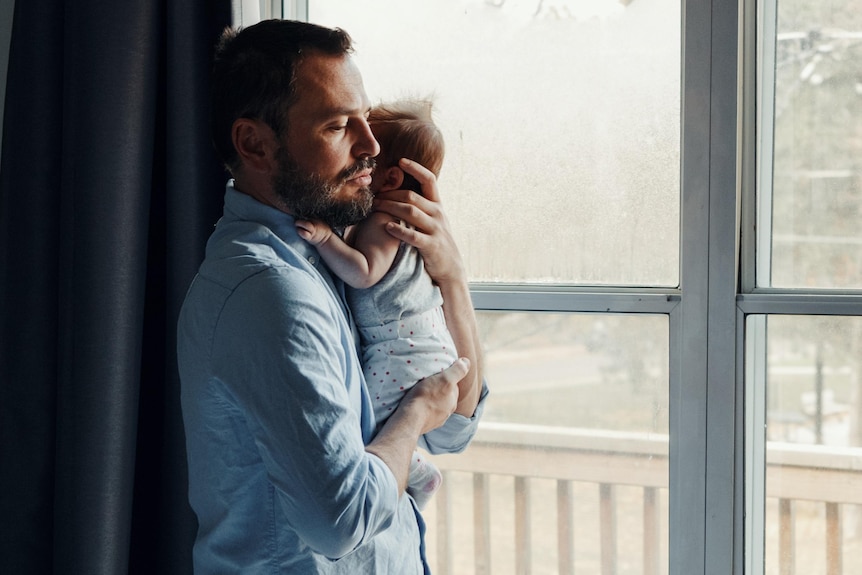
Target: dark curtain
(108, 191)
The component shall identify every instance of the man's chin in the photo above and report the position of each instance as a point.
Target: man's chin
(308, 197)
(351, 192)
(358, 207)
(345, 212)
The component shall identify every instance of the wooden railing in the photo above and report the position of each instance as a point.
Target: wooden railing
(611, 461)
(828, 475)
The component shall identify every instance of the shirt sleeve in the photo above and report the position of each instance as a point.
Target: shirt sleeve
(455, 435)
(286, 357)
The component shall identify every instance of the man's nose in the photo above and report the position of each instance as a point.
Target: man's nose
(366, 144)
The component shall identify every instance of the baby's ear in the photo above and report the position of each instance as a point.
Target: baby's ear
(393, 177)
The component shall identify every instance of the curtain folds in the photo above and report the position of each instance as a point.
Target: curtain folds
(108, 191)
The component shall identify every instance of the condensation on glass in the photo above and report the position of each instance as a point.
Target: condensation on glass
(813, 434)
(561, 120)
(814, 239)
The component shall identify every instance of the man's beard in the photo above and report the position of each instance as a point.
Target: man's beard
(309, 197)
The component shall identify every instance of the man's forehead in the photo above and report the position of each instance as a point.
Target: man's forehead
(329, 85)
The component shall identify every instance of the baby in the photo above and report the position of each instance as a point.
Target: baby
(396, 306)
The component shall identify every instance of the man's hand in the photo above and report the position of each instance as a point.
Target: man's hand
(434, 398)
(433, 238)
(425, 407)
(313, 232)
(430, 233)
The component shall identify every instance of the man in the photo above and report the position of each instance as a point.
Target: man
(287, 473)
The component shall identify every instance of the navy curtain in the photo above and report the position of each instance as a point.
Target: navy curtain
(108, 191)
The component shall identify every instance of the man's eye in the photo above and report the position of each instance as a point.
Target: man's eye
(338, 128)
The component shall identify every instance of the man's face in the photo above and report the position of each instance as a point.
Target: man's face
(325, 162)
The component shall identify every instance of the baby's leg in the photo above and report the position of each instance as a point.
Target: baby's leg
(424, 479)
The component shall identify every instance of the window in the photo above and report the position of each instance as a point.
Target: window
(801, 299)
(562, 128)
(562, 124)
(657, 201)
(810, 202)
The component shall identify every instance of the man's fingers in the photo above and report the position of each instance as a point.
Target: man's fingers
(418, 216)
(426, 178)
(405, 234)
(459, 369)
(455, 373)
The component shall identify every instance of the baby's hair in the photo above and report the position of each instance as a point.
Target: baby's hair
(406, 129)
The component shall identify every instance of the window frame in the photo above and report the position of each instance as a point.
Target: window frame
(755, 304)
(716, 468)
(702, 518)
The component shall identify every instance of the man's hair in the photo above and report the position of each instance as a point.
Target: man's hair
(406, 129)
(253, 75)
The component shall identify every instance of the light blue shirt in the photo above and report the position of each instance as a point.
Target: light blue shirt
(277, 414)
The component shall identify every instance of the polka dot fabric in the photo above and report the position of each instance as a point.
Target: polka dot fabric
(398, 354)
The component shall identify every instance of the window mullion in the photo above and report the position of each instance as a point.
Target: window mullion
(688, 328)
(722, 440)
(703, 426)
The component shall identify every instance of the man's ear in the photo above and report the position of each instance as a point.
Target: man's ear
(255, 143)
(393, 177)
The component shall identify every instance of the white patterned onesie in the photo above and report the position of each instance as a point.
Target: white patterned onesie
(403, 339)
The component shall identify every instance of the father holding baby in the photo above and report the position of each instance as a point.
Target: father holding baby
(288, 470)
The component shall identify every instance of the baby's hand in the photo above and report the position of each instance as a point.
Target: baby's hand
(314, 233)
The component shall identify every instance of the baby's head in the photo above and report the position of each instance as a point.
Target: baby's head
(404, 129)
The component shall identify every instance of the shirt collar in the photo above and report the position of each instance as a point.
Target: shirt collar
(239, 206)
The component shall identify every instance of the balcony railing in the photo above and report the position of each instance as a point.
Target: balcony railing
(602, 465)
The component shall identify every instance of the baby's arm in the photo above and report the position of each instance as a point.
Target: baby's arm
(370, 257)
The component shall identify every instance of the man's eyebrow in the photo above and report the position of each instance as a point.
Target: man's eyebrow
(335, 112)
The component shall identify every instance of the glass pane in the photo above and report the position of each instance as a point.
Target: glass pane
(606, 372)
(817, 172)
(561, 121)
(813, 445)
(574, 441)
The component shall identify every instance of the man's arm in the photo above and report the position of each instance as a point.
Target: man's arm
(285, 354)
(433, 238)
(283, 350)
(426, 406)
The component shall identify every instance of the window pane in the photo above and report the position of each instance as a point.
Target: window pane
(561, 120)
(816, 240)
(605, 372)
(574, 438)
(814, 445)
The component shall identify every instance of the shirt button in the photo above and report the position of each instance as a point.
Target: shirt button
(312, 260)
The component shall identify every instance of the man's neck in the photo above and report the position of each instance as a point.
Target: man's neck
(262, 194)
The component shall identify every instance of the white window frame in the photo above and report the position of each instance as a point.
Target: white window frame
(248, 12)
